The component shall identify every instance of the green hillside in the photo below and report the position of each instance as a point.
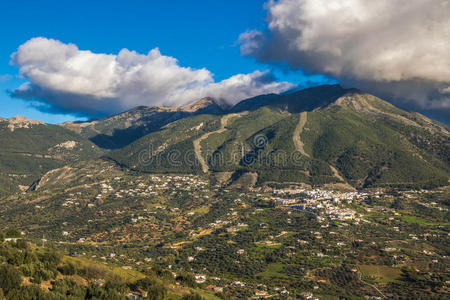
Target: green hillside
(323, 135)
(327, 193)
(304, 100)
(31, 148)
(32, 272)
(122, 129)
(370, 152)
(169, 149)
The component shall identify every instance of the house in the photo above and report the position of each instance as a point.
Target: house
(238, 283)
(307, 295)
(260, 295)
(200, 278)
(12, 239)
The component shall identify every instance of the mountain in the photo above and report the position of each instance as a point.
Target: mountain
(303, 194)
(391, 243)
(30, 148)
(120, 130)
(304, 100)
(206, 105)
(323, 135)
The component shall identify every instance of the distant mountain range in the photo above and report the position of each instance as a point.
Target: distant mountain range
(325, 135)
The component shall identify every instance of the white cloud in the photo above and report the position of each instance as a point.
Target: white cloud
(70, 79)
(5, 77)
(401, 45)
(445, 90)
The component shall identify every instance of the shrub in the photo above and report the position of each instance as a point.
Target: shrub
(93, 271)
(67, 269)
(13, 234)
(192, 297)
(156, 292)
(10, 278)
(145, 283)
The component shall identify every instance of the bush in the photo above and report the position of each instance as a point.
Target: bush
(156, 292)
(28, 269)
(192, 297)
(43, 274)
(186, 279)
(145, 283)
(28, 292)
(21, 244)
(13, 234)
(67, 269)
(10, 278)
(50, 258)
(68, 287)
(93, 271)
(116, 284)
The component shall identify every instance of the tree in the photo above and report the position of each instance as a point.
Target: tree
(10, 278)
(13, 234)
(145, 283)
(187, 279)
(192, 297)
(67, 269)
(156, 292)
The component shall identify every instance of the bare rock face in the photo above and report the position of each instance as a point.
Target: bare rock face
(69, 145)
(204, 105)
(199, 104)
(22, 122)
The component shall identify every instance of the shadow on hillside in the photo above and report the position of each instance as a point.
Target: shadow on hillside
(123, 137)
(304, 100)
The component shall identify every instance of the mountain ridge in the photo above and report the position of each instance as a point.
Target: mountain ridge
(309, 99)
(349, 137)
(344, 136)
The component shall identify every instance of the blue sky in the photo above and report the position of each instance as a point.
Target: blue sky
(200, 34)
(402, 59)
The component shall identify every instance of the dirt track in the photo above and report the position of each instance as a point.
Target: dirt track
(197, 147)
(298, 131)
(299, 144)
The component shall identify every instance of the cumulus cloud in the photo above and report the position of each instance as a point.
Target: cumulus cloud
(398, 49)
(73, 80)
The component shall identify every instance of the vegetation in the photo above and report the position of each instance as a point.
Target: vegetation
(29, 152)
(360, 211)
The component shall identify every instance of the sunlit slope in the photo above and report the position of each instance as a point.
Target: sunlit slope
(30, 148)
(349, 137)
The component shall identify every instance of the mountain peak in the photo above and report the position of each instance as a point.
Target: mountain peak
(304, 100)
(203, 105)
(21, 122)
(362, 101)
